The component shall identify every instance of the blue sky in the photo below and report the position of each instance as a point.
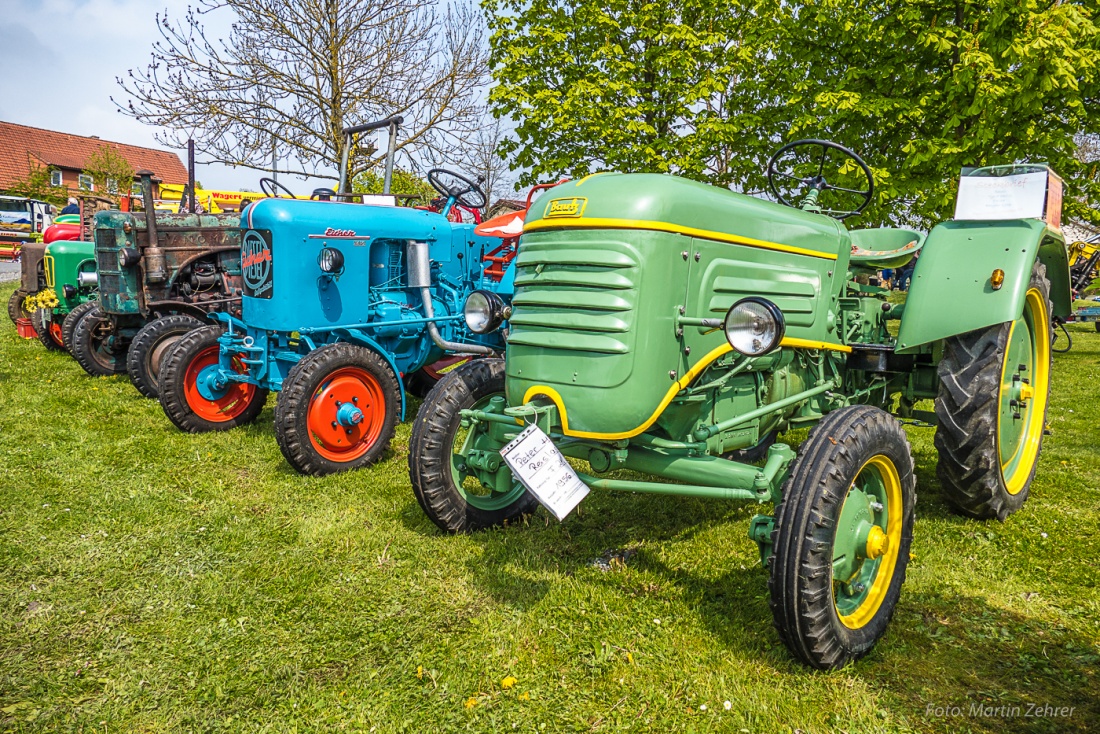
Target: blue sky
(60, 61)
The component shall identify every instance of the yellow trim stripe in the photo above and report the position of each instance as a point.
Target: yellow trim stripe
(683, 382)
(707, 234)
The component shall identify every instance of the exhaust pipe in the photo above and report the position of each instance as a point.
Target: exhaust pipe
(420, 277)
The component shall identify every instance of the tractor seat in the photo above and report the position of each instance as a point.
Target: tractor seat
(884, 247)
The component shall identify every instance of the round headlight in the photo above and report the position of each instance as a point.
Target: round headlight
(330, 260)
(754, 326)
(485, 311)
(128, 257)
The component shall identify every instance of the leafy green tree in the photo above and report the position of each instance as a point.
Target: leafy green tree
(707, 89)
(634, 85)
(111, 173)
(404, 183)
(924, 87)
(36, 185)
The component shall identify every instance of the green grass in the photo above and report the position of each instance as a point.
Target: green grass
(156, 581)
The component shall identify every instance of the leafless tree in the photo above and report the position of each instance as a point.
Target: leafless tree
(480, 158)
(292, 73)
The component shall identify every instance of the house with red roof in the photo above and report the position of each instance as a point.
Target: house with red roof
(24, 148)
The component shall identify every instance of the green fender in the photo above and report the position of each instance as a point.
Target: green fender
(951, 292)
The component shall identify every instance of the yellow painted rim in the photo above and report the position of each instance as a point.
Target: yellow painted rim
(1035, 304)
(696, 369)
(866, 611)
(707, 234)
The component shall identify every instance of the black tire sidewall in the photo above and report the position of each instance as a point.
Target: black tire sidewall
(432, 443)
(304, 379)
(42, 319)
(800, 577)
(138, 364)
(171, 385)
(71, 320)
(84, 350)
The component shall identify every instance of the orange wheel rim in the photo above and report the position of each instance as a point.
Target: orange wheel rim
(55, 334)
(346, 415)
(231, 402)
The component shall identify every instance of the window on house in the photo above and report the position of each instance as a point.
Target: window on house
(135, 189)
(112, 186)
(55, 178)
(86, 182)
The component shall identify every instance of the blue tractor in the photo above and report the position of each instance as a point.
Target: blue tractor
(345, 297)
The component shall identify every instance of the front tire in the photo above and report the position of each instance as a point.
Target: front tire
(337, 410)
(15, 306)
(187, 394)
(842, 534)
(49, 331)
(72, 320)
(991, 414)
(151, 345)
(455, 500)
(94, 345)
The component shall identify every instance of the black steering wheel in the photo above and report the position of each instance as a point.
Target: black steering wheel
(465, 192)
(271, 187)
(816, 182)
(322, 195)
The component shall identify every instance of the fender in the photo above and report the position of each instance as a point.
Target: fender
(355, 336)
(951, 292)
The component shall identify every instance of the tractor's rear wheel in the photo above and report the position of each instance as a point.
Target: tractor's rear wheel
(453, 497)
(49, 330)
(72, 319)
(151, 345)
(421, 382)
(991, 408)
(15, 306)
(337, 409)
(191, 393)
(95, 346)
(842, 535)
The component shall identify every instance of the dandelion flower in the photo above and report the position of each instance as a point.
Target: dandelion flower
(470, 702)
(420, 671)
(508, 682)
(525, 696)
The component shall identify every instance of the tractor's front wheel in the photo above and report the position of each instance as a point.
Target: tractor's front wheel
(449, 493)
(842, 535)
(337, 410)
(95, 345)
(72, 319)
(49, 330)
(991, 408)
(151, 345)
(15, 306)
(194, 392)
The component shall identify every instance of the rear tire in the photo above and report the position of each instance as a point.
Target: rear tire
(446, 494)
(337, 410)
(182, 399)
(842, 534)
(15, 306)
(71, 321)
(151, 345)
(989, 449)
(49, 332)
(92, 346)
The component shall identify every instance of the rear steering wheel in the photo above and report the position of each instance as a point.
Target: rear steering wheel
(271, 187)
(816, 182)
(463, 190)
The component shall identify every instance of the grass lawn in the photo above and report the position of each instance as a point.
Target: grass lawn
(157, 581)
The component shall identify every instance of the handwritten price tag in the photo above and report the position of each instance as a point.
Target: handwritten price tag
(536, 462)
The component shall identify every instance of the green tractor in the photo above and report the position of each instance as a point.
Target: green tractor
(675, 329)
(71, 290)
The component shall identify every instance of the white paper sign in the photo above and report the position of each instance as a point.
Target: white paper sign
(984, 198)
(538, 465)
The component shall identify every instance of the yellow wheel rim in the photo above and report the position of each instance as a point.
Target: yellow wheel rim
(1023, 395)
(867, 541)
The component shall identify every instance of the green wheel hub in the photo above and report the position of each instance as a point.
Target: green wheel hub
(475, 469)
(866, 542)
